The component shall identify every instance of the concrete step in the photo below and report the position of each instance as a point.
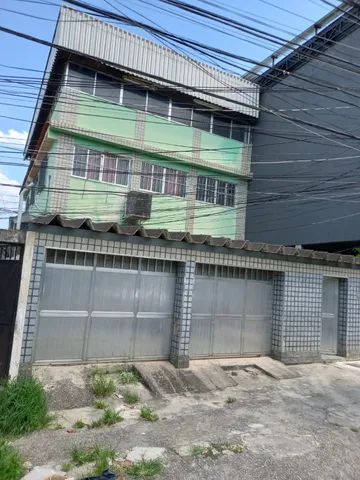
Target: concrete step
(164, 379)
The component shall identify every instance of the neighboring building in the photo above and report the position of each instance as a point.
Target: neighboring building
(305, 189)
(122, 115)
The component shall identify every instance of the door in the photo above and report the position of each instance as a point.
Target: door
(10, 273)
(232, 312)
(329, 323)
(104, 307)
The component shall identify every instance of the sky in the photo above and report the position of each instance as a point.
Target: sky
(285, 18)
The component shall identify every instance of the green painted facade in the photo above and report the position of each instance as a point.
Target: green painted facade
(104, 126)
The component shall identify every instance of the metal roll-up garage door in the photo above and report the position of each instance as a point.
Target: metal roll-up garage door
(232, 312)
(101, 307)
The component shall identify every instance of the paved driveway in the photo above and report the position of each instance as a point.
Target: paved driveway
(302, 428)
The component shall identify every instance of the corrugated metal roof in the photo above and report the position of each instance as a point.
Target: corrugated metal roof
(158, 233)
(90, 36)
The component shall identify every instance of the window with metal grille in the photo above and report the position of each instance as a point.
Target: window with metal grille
(215, 191)
(72, 257)
(9, 252)
(221, 126)
(162, 180)
(205, 269)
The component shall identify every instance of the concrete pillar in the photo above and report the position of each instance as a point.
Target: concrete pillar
(349, 318)
(179, 353)
(297, 312)
(22, 304)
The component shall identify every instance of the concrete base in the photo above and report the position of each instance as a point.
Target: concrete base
(181, 361)
(294, 358)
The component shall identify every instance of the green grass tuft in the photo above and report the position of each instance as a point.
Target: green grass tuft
(102, 457)
(110, 417)
(128, 377)
(230, 400)
(130, 397)
(11, 465)
(23, 407)
(101, 386)
(101, 405)
(79, 424)
(144, 468)
(148, 414)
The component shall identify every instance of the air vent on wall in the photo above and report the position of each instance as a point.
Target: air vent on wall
(138, 206)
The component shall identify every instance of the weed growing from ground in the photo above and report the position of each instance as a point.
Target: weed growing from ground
(11, 465)
(230, 400)
(110, 417)
(79, 424)
(148, 414)
(101, 386)
(100, 455)
(23, 406)
(215, 449)
(144, 468)
(128, 377)
(101, 405)
(130, 397)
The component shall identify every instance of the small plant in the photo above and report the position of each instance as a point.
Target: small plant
(101, 386)
(230, 400)
(110, 417)
(144, 468)
(215, 449)
(66, 467)
(148, 414)
(100, 455)
(101, 405)
(130, 397)
(128, 377)
(11, 465)
(23, 406)
(79, 424)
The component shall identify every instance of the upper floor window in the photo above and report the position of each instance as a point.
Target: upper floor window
(94, 165)
(162, 180)
(210, 190)
(177, 108)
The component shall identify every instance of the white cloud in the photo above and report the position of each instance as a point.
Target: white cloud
(9, 197)
(13, 137)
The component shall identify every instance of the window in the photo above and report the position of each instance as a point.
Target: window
(238, 132)
(108, 88)
(221, 126)
(109, 169)
(42, 173)
(162, 180)
(215, 191)
(80, 162)
(158, 105)
(181, 112)
(94, 165)
(134, 96)
(201, 119)
(81, 78)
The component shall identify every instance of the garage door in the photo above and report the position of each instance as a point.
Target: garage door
(96, 306)
(232, 312)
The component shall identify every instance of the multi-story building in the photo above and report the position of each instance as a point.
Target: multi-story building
(305, 157)
(118, 115)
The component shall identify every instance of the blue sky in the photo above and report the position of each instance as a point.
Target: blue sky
(15, 52)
